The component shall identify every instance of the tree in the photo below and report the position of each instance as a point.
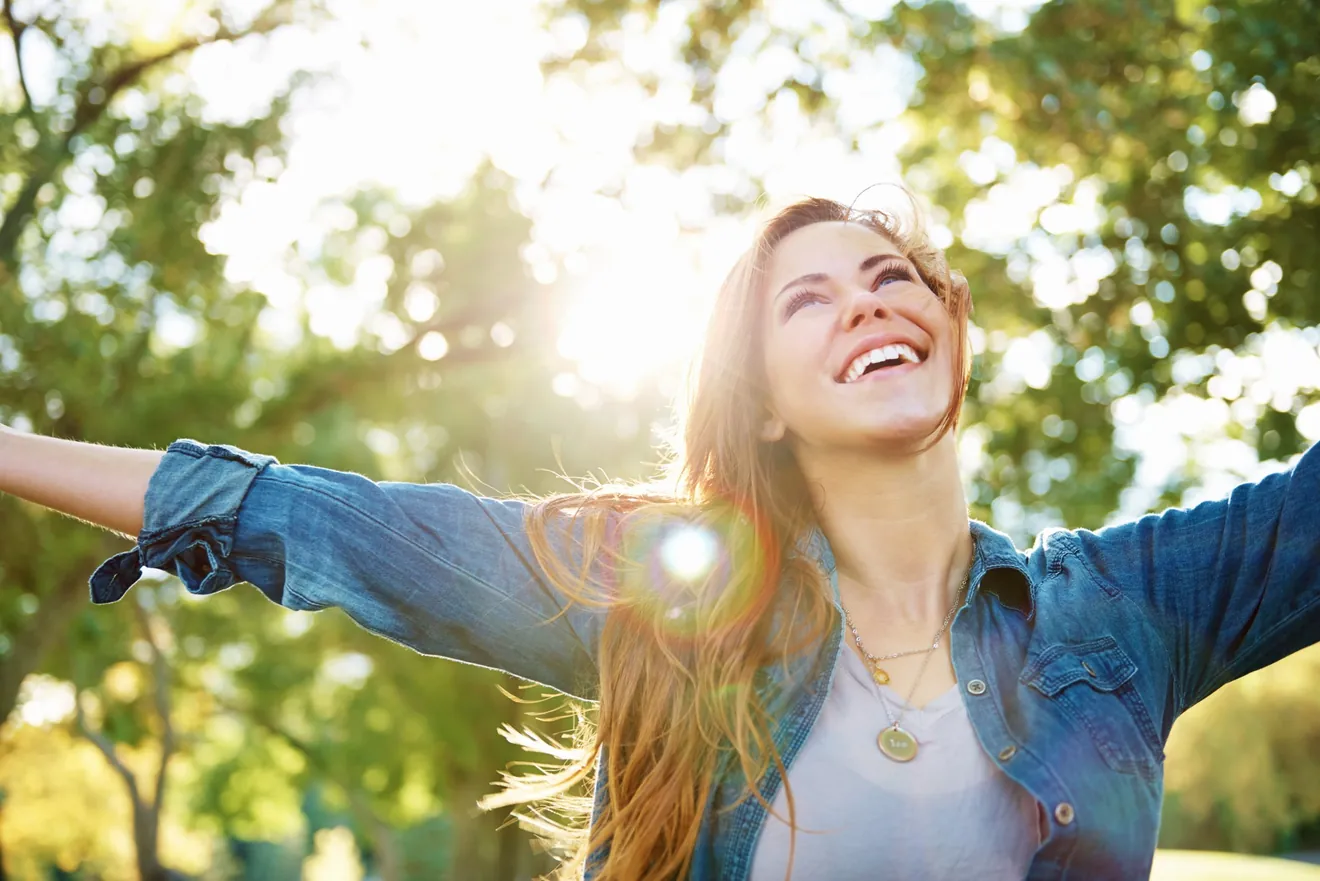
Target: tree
(117, 325)
(78, 300)
(146, 808)
(1132, 115)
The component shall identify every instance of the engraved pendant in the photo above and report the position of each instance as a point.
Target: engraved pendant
(897, 744)
(879, 675)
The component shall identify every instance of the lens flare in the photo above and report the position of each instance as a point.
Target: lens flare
(694, 572)
(689, 552)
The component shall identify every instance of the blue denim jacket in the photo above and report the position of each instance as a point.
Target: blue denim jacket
(1073, 658)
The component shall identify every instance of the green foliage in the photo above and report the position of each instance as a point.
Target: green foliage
(118, 325)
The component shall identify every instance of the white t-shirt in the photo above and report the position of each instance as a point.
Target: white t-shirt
(949, 813)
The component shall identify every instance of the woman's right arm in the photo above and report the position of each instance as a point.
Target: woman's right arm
(431, 566)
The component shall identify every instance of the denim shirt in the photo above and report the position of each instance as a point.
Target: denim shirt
(1073, 659)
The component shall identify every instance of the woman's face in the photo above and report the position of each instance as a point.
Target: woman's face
(839, 296)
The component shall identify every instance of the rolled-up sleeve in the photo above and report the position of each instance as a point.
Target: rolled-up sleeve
(431, 566)
(1231, 585)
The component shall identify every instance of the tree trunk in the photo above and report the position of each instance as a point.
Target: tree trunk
(4, 876)
(387, 860)
(146, 823)
(515, 856)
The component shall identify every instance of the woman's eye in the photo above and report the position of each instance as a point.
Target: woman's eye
(798, 300)
(892, 273)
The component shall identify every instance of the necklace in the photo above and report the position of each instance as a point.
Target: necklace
(894, 741)
(878, 673)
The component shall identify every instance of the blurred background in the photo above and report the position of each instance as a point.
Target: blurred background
(433, 240)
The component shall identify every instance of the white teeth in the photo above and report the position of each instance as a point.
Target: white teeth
(876, 356)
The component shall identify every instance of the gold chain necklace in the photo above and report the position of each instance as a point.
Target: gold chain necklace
(894, 741)
(878, 673)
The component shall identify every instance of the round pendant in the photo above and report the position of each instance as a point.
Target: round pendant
(880, 676)
(897, 744)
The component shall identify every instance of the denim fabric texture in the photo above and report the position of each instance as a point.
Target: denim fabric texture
(1079, 653)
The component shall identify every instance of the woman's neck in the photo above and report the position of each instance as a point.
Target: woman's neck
(897, 527)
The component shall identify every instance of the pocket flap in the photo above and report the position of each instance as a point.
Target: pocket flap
(1100, 663)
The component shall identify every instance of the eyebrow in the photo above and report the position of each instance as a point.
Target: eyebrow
(813, 277)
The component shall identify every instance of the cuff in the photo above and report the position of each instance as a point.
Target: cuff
(189, 516)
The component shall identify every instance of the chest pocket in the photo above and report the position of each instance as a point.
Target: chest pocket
(1092, 683)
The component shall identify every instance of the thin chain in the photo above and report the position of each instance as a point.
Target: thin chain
(874, 660)
(930, 652)
(893, 723)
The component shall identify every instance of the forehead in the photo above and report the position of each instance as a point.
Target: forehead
(834, 248)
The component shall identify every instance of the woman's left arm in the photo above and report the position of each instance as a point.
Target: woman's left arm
(1231, 585)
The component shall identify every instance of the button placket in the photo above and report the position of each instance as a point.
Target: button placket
(1063, 812)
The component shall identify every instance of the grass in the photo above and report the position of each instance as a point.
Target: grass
(1199, 865)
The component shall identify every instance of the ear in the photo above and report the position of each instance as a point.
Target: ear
(773, 429)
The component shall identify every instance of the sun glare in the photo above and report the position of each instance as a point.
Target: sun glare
(689, 553)
(633, 322)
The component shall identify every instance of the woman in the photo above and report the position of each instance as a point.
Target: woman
(812, 610)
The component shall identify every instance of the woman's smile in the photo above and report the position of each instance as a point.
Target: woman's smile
(878, 374)
(876, 355)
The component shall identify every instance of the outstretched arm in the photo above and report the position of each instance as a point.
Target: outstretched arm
(1230, 585)
(431, 566)
(98, 484)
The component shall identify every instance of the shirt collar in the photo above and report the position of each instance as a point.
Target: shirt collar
(999, 569)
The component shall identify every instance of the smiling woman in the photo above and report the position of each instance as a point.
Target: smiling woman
(993, 713)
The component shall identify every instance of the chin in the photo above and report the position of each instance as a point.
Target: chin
(900, 434)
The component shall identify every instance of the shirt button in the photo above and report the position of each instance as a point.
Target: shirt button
(1007, 753)
(976, 686)
(1063, 812)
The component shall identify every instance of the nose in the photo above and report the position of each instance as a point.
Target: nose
(865, 306)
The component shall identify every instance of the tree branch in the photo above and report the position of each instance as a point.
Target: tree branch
(161, 679)
(146, 815)
(101, 742)
(16, 29)
(325, 386)
(88, 112)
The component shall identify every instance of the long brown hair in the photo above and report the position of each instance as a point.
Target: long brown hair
(680, 662)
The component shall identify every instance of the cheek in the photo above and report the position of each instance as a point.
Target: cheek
(933, 310)
(790, 364)
(935, 319)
